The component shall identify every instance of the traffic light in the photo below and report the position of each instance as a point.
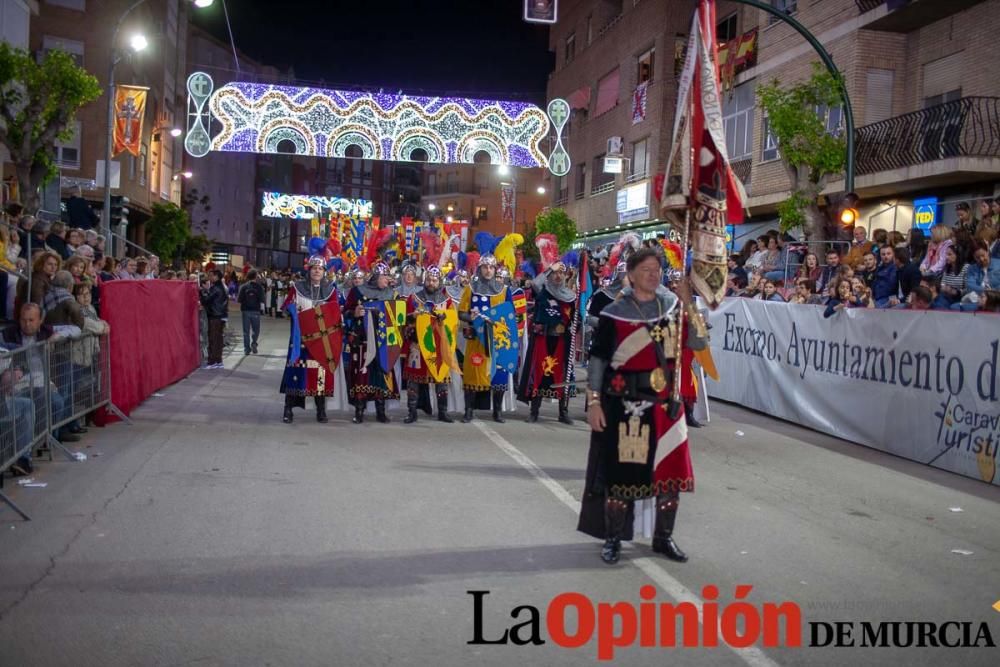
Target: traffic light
(849, 212)
(119, 210)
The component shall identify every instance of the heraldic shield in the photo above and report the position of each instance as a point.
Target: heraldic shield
(322, 334)
(437, 339)
(386, 322)
(503, 336)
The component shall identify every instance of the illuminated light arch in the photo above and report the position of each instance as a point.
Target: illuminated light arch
(358, 135)
(281, 129)
(395, 125)
(419, 138)
(481, 140)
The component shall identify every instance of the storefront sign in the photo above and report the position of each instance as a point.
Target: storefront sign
(925, 212)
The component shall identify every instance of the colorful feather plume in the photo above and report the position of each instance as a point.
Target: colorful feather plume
(505, 250)
(471, 261)
(378, 243)
(432, 246)
(528, 268)
(571, 259)
(674, 254)
(548, 249)
(486, 243)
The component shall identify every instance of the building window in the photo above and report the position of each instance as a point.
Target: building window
(725, 30)
(607, 93)
(640, 150)
(581, 179)
(143, 162)
(600, 178)
(482, 213)
(833, 118)
(770, 148)
(70, 46)
(68, 152)
(570, 49)
(950, 96)
(737, 118)
(645, 66)
(789, 7)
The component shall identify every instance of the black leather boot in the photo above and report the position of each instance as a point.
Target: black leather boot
(615, 515)
(689, 416)
(359, 412)
(321, 409)
(442, 399)
(380, 415)
(663, 542)
(411, 406)
(470, 413)
(536, 404)
(287, 416)
(564, 411)
(498, 406)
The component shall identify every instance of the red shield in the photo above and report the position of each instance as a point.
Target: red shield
(322, 333)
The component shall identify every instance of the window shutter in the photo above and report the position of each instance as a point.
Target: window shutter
(878, 95)
(942, 75)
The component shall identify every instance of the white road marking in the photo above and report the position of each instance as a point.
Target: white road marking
(752, 656)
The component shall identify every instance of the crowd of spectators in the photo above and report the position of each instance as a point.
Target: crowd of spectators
(950, 268)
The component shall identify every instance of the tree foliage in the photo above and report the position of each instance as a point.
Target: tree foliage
(38, 103)
(811, 155)
(167, 230)
(195, 248)
(556, 221)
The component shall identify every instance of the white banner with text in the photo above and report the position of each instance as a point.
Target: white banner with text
(921, 385)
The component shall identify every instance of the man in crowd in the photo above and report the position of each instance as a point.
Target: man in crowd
(907, 275)
(30, 377)
(885, 284)
(860, 247)
(829, 272)
(251, 298)
(81, 216)
(216, 303)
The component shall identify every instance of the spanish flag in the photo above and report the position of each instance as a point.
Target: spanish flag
(130, 107)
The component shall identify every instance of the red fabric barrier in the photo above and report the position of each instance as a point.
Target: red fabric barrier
(154, 337)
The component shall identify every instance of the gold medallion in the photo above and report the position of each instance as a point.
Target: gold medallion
(560, 329)
(658, 380)
(656, 333)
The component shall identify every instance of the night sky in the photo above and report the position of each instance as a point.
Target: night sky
(473, 48)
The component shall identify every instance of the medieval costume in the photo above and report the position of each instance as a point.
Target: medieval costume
(490, 330)
(429, 353)
(642, 453)
(370, 318)
(409, 284)
(306, 375)
(548, 362)
(614, 277)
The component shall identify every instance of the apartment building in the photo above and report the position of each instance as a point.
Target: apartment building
(616, 64)
(924, 98)
(473, 192)
(918, 74)
(84, 29)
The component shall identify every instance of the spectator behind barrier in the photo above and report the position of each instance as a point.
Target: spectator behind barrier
(829, 273)
(982, 276)
(841, 298)
(885, 284)
(61, 309)
(810, 268)
(907, 275)
(45, 265)
(859, 247)
(56, 240)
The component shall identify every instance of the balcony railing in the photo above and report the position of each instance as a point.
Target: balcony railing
(868, 5)
(968, 127)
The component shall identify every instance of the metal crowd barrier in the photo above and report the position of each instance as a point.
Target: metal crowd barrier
(46, 386)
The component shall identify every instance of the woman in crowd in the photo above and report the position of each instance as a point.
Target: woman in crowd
(771, 257)
(46, 264)
(941, 241)
(56, 240)
(108, 268)
(843, 298)
(749, 250)
(880, 239)
(770, 292)
(898, 240)
(77, 266)
(916, 241)
(986, 217)
(74, 240)
(8, 250)
(126, 269)
(61, 309)
(810, 269)
(953, 276)
(753, 285)
(862, 294)
(141, 268)
(757, 259)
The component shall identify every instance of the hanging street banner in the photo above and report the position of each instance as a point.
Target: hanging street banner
(921, 385)
(130, 107)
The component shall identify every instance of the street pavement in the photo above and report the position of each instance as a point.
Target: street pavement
(209, 533)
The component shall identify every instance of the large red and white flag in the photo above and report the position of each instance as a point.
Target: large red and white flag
(712, 191)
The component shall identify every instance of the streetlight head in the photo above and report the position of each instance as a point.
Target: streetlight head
(450, 208)
(187, 174)
(431, 206)
(541, 189)
(176, 132)
(138, 42)
(503, 170)
(201, 4)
